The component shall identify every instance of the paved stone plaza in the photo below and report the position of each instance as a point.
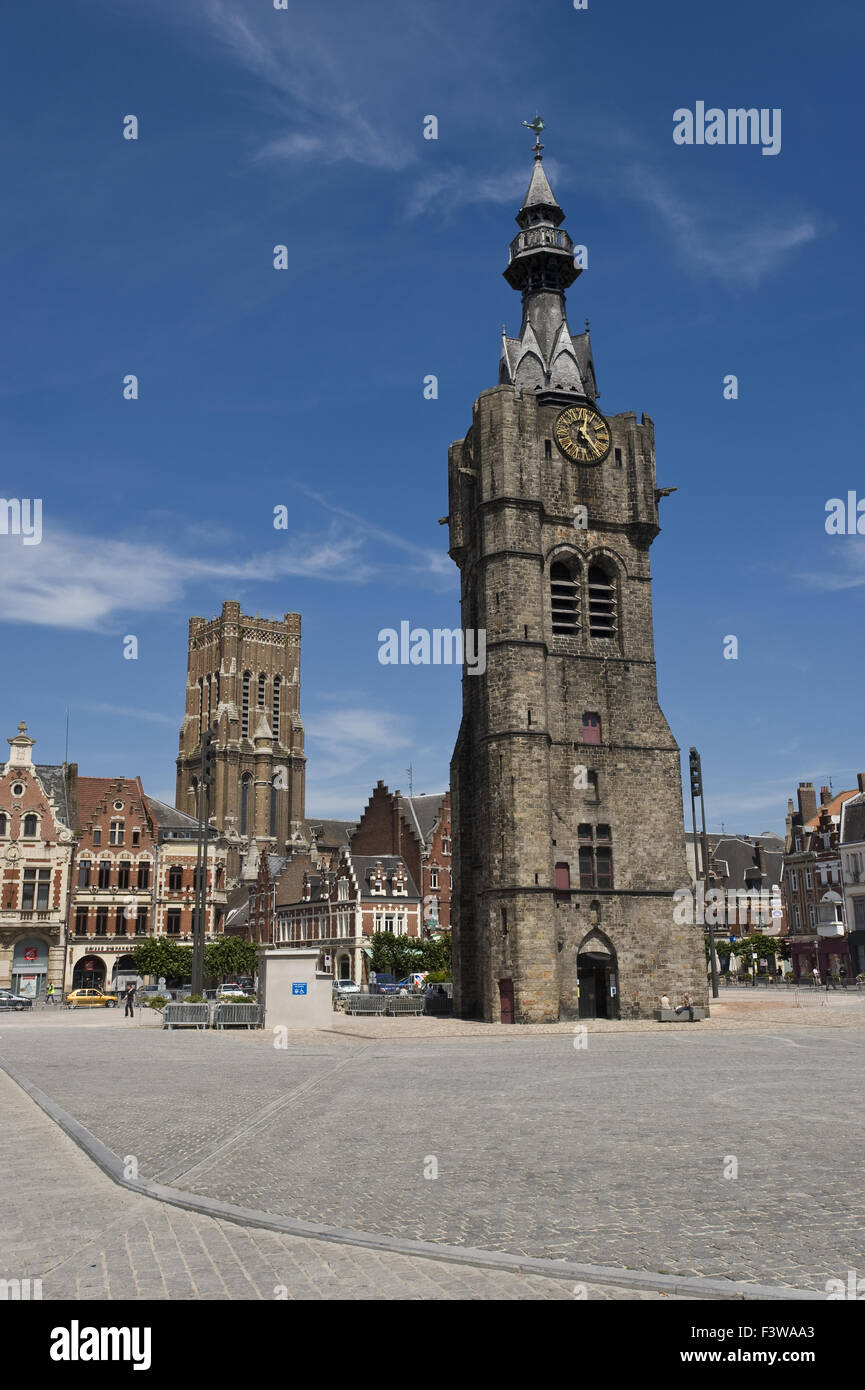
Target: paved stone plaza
(613, 1154)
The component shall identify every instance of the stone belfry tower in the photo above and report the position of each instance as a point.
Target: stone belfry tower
(243, 675)
(567, 803)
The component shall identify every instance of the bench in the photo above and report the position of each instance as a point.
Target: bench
(186, 1016)
(670, 1015)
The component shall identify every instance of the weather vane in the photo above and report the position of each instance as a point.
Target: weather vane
(537, 126)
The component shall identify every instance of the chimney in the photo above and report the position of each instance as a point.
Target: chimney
(860, 778)
(761, 858)
(807, 801)
(825, 796)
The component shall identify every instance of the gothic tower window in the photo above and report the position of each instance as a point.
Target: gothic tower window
(244, 804)
(277, 682)
(200, 702)
(261, 683)
(602, 603)
(565, 597)
(244, 708)
(272, 809)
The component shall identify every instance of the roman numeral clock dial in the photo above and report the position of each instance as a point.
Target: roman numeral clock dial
(583, 434)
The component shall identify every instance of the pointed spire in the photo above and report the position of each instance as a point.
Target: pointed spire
(544, 356)
(539, 194)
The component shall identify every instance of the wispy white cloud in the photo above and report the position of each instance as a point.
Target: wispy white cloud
(78, 581)
(349, 747)
(148, 716)
(424, 559)
(845, 567)
(448, 190)
(710, 241)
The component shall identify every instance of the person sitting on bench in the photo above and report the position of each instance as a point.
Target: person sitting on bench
(687, 1005)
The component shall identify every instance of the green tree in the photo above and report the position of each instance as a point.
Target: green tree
(230, 955)
(398, 955)
(437, 955)
(743, 946)
(160, 956)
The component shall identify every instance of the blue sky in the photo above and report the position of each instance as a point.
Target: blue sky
(304, 387)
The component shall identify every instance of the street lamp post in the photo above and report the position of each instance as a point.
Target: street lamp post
(696, 774)
(200, 908)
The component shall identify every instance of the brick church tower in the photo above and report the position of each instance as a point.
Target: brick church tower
(567, 803)
(243, 675)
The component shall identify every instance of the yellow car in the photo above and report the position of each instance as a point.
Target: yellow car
(90, 999)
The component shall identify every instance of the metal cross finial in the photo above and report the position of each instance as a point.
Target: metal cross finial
(537, 126)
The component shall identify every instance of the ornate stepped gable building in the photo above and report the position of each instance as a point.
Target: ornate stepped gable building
(341, 905)
(852, 842)
(133, 877)
(565, 779)
(36, 846)
(813, 884)
(419, 829)
(244, 678)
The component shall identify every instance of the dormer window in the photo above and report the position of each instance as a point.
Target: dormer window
(342, 890)
(377, 880)
(30, 827)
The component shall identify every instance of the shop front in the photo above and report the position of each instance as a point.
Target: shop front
(30, 967)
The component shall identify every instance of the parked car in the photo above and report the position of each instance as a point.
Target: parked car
(228, 991)
(343, 987)
(90, 999)
(8, 1000)
(382, 984)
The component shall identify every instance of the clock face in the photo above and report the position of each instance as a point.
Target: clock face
(583, 434)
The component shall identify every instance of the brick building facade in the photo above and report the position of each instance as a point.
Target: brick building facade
(813, 887)
(419, 829)
(565, 779)
(133, 878)
(36, 850)
(342, 904)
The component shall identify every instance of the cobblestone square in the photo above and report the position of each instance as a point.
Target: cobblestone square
(613, 1154)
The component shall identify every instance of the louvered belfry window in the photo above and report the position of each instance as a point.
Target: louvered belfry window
(602, 603)
(565, 597)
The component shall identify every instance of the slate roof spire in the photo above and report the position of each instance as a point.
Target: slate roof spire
(541, 266)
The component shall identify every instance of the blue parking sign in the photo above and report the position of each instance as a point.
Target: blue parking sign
(298, 988)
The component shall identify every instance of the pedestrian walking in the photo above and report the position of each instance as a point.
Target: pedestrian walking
(687, 1006)
(129, 997)
(49, 995)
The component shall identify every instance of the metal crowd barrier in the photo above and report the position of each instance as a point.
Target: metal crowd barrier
(239, 1015)
(186, 1016)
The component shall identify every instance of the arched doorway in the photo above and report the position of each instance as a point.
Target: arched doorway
(89, 973)
(598, 976)
(343, 969)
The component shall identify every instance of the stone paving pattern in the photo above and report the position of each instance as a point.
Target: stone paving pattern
(610, 1155)
(87, 1238)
